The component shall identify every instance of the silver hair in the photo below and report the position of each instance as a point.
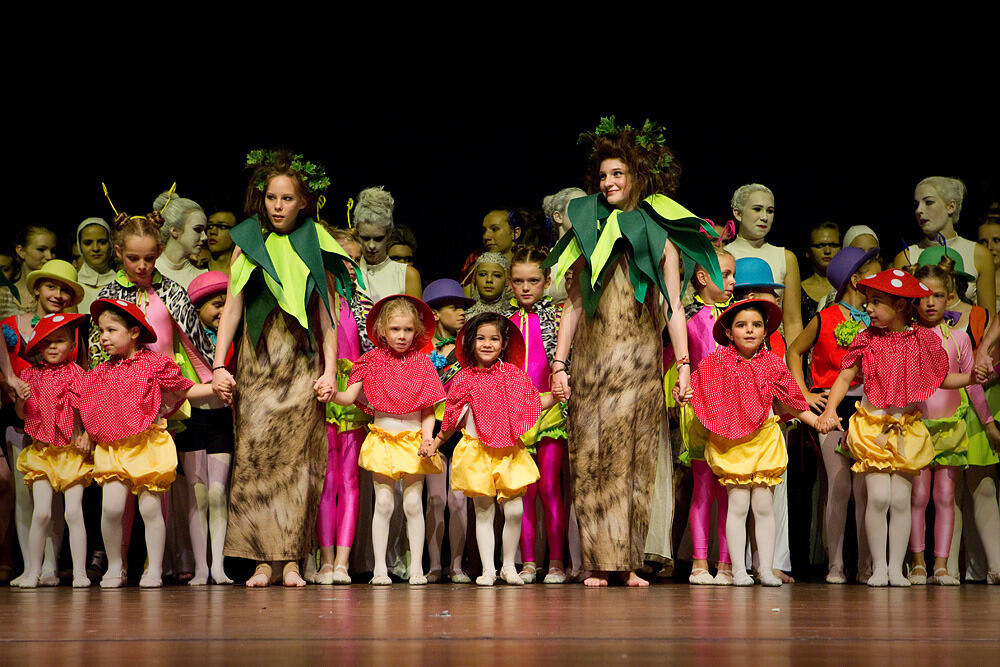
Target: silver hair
(176, 210)
(560, 201)
(493, 258)
(742, 194)
(948, 189)
(374, 207)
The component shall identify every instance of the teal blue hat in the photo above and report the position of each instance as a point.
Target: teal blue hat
(754, 272)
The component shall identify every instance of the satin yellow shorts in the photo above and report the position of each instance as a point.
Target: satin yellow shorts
(395, 454)
(146, 461)
(61, 466)
(889, 443)
(757, 459)
(497, 472)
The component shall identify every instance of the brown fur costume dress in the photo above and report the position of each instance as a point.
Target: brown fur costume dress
(616, 420)
(281, 444)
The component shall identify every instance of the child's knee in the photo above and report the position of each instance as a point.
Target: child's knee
(412, 506)
(384, 502)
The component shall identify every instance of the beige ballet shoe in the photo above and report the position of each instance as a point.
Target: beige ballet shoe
(381, 580)
(486, 579)
(528, 573)
(942, 578)
(418, 579)
(81, 580)
(340, 575)
(510, 575)
(700, 577)
(836, 576)
(918, 575)
(723, 578)
(48, 579)
(111, 581)
(554, 576)
(742, 579)
(459, 578)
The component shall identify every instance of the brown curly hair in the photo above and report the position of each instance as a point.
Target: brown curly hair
(138, 225)
(281, 166)
(641, 163)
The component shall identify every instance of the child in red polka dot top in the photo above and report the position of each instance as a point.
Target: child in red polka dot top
(58, 459)
(735, 392)
(495, 403)
(902, 366)
(124, 404)
(398, 385)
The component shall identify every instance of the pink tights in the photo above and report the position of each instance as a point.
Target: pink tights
(707, 487)
(549, 458)
(945, 478)
(338, 506)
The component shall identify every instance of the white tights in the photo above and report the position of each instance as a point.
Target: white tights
(208, 511)
(513, 510)
(23, 510)
(385, 502)
(761, 499)
(439, 495)
(888, 514)
(986, 513)
(41, 520)
(839, 490)
(115, 496)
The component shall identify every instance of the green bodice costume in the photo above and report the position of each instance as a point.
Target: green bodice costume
(600, 234)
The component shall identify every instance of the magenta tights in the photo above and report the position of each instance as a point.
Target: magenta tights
(338, 506)
(549, 458)
(945, 478)
(707, 487)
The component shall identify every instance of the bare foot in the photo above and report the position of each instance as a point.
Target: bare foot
(784, 578)
(261, 576)
(635, 581)
(596, 579)
(290, 577)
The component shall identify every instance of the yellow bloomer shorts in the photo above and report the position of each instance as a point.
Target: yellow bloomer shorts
(500, 472)
(146, 461)
(755, 460)
(61, 466)
(889, 443)
(395, 454)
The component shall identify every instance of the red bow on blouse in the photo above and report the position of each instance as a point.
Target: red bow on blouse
(505, 405)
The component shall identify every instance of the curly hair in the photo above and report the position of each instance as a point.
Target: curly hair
(281, 166)
(149, 225)
(642, 163)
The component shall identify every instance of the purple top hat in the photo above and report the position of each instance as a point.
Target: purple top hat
(845, 264)
(446, 290)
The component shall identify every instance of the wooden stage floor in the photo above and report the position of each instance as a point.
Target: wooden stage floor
(503, 626)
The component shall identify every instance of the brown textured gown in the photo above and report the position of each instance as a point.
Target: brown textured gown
(281, 445)
(616, 422)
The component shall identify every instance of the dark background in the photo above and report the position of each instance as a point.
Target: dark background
(850, 153)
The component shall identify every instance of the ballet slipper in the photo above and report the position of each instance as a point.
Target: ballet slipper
(111, 581)
(221, 577)
(897, 580)
(554, 576)
(290, 575)
(381, 580)
(528, 573)
(509, 574)
(700, 577)
(48, 579)
(992, 578)
(723, 578)
(433, 576)
(199, 580)
(943, 578)
(340, 575)
(633, 580)
(918, 575)
(878, 579)
(261, 576)
(459, 578)
(836, 575)
(418, 579)
(324, 577)
(150, 580)
(486, 579)
(28, 580)
(769, 579)
(81, 580)
(742, 579)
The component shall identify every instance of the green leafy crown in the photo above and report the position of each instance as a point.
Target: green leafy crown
(312, 174)
(650, 138)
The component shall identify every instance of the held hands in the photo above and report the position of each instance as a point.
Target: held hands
(560, 384)
(681, 399)
(84, 442)
(428, 447)
(983, 368)
(223, 384)
(828, 421)
(17, 388)
(325, 387)
(682, 391)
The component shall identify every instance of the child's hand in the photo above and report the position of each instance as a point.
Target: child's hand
(560, 385)
(681, 399)
(828, 421)
(817, 400)
(993, 434)
(17, 388)
(428, 447)
(84, 442)
(325, 387)
(223, 384)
